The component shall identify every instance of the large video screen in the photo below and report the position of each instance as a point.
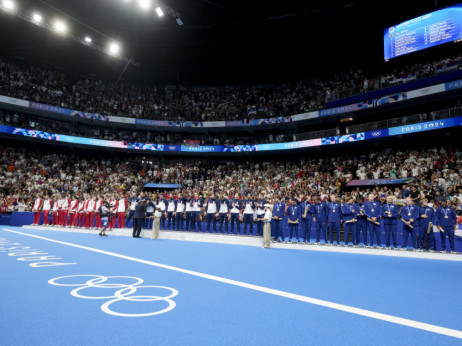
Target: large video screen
(423, 32)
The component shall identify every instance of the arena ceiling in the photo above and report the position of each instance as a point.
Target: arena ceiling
(221, 42)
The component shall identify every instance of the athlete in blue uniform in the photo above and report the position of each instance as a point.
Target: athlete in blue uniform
(390, 214)
(373, 210)
(427, 216)
(446, 221)
(334, 213)
(410, 214)
(320, 220)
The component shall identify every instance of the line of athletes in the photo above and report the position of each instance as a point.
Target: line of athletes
(301, 214)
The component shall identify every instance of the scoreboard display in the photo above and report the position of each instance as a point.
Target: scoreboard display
(423, 32)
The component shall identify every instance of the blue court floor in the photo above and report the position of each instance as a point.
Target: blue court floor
(75, 289)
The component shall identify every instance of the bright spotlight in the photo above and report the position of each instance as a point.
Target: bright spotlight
(8, 5)
(88, 39)
(144, 4)
(159, 11)
(60, 27)
(114, 49)
(37, 18)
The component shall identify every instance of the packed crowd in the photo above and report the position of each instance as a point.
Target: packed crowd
(201, 103)
(28, 176)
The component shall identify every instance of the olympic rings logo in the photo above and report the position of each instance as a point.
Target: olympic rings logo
(375, 134)
(125, 285)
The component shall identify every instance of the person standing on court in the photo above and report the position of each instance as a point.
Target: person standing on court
(349, 219)
(260, 214)
(427, 216)
(236, 207)
(267, 226)
(138, 218)
(224, 213)
(249, 207)
(156, 224)
(390, 214)
(334, 211)
(446, 221)
(171, 207)
(294, 215)
(361, 225)
(320, 220)
(212, 212)
(409, 215)
(279, 209)
(373, 210)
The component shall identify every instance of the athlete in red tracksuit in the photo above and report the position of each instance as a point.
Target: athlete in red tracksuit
(91, 211)
(38, 204)
(47, 204)
(80, 213)
(86, 222)
(55, 221)
(73, 212)
(65, 203)
(121, 209)
(99, 204)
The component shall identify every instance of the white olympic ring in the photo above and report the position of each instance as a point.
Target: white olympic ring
(122, 294)
(375, 134)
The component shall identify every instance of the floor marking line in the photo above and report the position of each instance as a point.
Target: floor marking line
(367, 313)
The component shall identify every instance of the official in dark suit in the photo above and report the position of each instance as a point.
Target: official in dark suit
(138, 218)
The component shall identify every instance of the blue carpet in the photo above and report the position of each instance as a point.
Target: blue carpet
(34, 312)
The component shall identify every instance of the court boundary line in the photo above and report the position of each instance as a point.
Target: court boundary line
(257, 242)
(319, 302)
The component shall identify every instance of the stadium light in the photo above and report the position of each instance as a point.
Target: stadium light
(114, 49)
(36, 18)
(159, 11)
(144, 4)
(8, 5)
(60, 27)
(88, 39)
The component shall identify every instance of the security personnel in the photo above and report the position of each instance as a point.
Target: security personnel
(410, 214)
(212, 213)
(294, 215)
(279, 210)
(307, 210)
(320, 220)
(373, 210)
(236, 207)
(249, 207)
(390, 214)
(446, 220)
(427, 215)
(334, 213)
(179, 213)
(171, 207)
(349, 220)
(223, 211)
(260, 214)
